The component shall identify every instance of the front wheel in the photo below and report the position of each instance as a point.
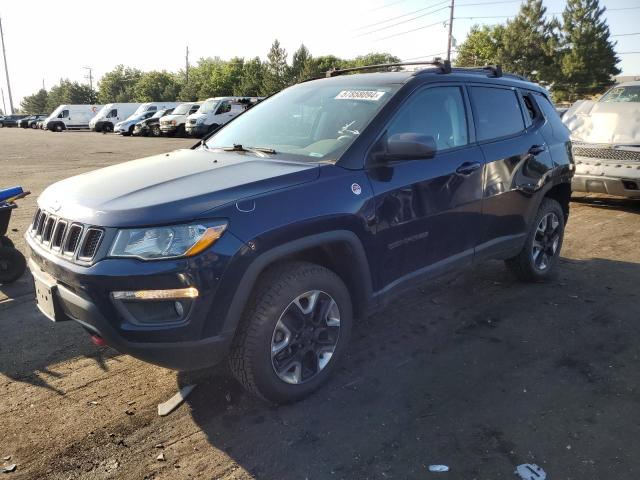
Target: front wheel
(58, 128)
(12, 265)
(294, 332)
(155, 131)
(538, 257)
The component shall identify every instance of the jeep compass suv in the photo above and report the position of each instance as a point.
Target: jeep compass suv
(263, 243)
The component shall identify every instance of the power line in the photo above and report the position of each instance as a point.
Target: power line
(626, 53)
(431, 55)
(488, 3)
(548, 13)
(413, 30)
(625, 34)
(404, 15)
(386, 5)
(400, 23)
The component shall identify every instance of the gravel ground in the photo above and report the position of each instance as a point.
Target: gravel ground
(475, 371)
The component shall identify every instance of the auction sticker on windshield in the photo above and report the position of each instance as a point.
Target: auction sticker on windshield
(369, 95)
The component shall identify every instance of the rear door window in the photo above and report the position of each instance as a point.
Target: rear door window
(560, 130)
(496, 112)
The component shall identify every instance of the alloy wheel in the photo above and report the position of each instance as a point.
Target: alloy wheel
(546, 241)
(305, 337)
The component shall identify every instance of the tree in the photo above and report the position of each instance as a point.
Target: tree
(118, 85)
(318, 66)
(251, 79)
(483, 46)
(156, 86)
(530, 43)
(36, 103)
(276, 69)
(301, 58)
(68, 92)
(589, 59)
(371, 59)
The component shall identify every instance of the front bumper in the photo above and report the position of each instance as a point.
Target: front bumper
(83, 294)
(168, 129)
(196, 130)
(612, 177)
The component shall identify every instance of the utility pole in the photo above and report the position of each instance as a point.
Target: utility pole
(43, 84)
(90, 77)
(186, 69)
(6, 69)
(4, 107)
(449, 41)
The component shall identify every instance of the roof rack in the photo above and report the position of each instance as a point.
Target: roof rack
(444, 65)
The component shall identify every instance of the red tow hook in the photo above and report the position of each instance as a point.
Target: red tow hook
(98, 340)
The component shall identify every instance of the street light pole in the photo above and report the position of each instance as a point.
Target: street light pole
(450, 31)
(6, 69)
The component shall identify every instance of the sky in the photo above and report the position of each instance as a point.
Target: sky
(47, 40)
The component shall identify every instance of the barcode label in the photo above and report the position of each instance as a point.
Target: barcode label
(369, 95)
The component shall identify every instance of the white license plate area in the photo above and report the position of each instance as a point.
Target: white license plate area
(45, 287)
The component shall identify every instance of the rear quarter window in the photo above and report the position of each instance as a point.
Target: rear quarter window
(496, 112)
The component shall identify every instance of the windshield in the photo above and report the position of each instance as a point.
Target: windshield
(310, 121)
(182, 109)
(140, 110)
(160, 113)
(103, 111)
(209, 106)
(622, 94)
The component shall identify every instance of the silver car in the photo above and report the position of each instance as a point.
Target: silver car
(606, 142)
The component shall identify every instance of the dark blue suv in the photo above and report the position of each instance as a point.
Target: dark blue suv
(263, 242)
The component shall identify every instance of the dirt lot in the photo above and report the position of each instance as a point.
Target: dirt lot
(475, 371)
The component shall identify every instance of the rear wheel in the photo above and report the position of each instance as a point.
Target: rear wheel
(12, 265)
(538, 257)
(34, 126)
(293, 333)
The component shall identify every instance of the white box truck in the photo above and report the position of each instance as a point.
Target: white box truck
(173, 124)
(144, 111)
(215, 112)
(110, 114)
(71, 117)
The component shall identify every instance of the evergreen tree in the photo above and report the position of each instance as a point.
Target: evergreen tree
(589, 59)
(156, 86)
(301, 58)
(276, 69)
(530, 43)
(251, 79)
(36, 103)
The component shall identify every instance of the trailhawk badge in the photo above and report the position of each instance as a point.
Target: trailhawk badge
(356, 189)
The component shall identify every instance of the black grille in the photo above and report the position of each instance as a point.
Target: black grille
(36, 218)
(90, 245)
(48, 229)
(73, 239)
(41, 220)
(58, 234)
(604, 151)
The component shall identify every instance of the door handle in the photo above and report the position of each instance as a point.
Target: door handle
(537, 149)
(467, 168)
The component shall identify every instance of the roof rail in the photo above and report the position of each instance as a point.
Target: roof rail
(496, 70)
(444, 65)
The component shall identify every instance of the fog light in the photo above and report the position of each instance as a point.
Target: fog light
(172, 294)
(179, 309)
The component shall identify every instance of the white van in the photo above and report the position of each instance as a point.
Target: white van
(144, 111)
(111, 114)
(173, 123)
(70, 117)
(215, 112)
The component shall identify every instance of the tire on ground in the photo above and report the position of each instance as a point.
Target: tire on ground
(250, 356)
(12, 265)
(522, 265)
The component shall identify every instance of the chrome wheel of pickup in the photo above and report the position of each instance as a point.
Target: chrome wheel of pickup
(305, 337)
(546, 241)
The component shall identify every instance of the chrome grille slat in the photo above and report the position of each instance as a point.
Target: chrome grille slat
(603, 151)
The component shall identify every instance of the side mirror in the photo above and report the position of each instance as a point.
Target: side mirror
(410, 146)
(403, 146)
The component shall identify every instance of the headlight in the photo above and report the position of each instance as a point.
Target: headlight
(166, 242)
(173, 122)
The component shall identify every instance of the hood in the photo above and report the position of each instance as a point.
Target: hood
(169, 188)
(168, 118)
(608, 122)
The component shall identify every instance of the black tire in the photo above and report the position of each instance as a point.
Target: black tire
(251, 360)
(6, 242)
(34, 126)
(213, 128)
(12, 265)
(107, 128)
(155, 131)
(526, 265)
(58, 127)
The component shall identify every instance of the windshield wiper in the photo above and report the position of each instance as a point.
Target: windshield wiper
(239, 148)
